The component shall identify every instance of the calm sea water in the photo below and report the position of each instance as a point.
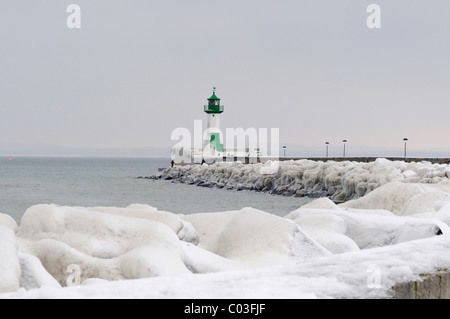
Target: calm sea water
(26, 181)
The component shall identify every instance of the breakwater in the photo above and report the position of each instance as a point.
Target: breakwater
(339, 180)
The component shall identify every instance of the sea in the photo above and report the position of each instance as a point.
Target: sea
(114, 182)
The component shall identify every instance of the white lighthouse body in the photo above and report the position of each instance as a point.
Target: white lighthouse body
(213, 141)
(213, 127)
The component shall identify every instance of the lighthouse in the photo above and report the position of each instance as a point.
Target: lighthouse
(213, 145)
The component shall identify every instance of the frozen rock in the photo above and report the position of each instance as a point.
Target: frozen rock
(259, 238)
(403, 198)
(151, 261)
(341, 181)
(9, 261)
(209, 226)
(34, 275)
(199, 260)
(183, 229)
(8, 221)
(100, 245)
(366, 227)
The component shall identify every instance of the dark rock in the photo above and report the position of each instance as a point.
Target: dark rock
(299, 193)
(205, 184)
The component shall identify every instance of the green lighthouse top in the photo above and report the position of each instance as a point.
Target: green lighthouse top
(214, 96)
(213, 106)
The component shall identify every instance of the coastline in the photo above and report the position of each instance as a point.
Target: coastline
(340, 179)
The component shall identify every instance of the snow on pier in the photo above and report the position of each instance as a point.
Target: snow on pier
(338, 180)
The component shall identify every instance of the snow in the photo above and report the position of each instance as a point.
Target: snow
(9, 260)
(357, 249)
(34, 274)
(259, 238)
(339, 180)
(183, 229)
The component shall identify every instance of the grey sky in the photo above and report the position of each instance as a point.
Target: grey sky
(138, 69)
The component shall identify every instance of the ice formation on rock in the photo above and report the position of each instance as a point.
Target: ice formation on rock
(341, 181)
(404, 206)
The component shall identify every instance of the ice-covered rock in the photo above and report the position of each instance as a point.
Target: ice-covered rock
(8, 221)
(339, 180)
(9, 261)
(183, 229)
(199, 260)
(259, 238)
(328, 230)
(70, 267)
(152, 261)
(34, 275)
(94, 233)
(209, 226)
(252, 237)
(366, 227)
(101, 245)
(404, 198)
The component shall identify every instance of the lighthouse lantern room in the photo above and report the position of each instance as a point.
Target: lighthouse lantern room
(213, 111)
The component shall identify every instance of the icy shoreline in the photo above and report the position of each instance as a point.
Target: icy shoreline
(340, 181)
(361, 248)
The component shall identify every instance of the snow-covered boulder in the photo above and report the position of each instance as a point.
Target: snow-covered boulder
(8, 221)
(367, 227)
(183, 229)
(34, 275)
(209, 226)
(404, 198)
(258, 238)
(250, 237)
(199, 260)
(328, 230)
(9, 260)
(100, 245)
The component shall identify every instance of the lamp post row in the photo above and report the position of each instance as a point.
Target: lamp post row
(343, 153)
(345, 141)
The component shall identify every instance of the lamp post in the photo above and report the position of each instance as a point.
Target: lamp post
(344, 141)
(327, 143)
(284, 149)
(405, 140)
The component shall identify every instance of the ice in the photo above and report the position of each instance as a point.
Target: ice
(367, 228)
(259, 238)
(102, 245)
(339, 180)
(9, 261)
(328, 230)
(8, 221)
(209, 226)
(403, 198)
(34, 274)
(183, 229)
(199, 260)
(399, 229)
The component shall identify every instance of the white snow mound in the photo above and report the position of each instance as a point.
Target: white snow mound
(102, 245)
(9, 261)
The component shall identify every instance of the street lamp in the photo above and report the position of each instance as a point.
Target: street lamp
(405, 140)
(327, 143)
(344, 141)
(284, 149)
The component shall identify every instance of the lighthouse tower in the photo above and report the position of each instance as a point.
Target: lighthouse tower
(212, 141)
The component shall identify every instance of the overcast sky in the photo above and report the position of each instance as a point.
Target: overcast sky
(136, 70)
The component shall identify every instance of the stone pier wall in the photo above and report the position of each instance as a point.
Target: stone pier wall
(435, 286)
